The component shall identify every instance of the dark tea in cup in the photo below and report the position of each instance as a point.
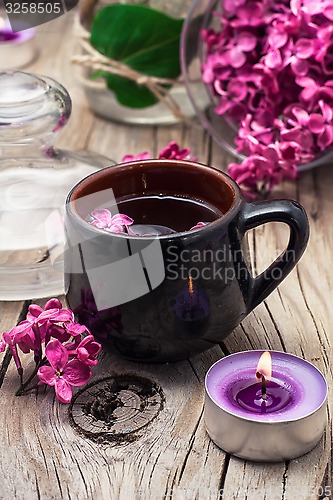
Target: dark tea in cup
(171, 292)
(174, 213)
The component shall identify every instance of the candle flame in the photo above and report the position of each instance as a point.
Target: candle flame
(190, 285)
(264, 367)
(2, 23)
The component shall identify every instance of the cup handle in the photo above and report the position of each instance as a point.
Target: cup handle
(289, 212)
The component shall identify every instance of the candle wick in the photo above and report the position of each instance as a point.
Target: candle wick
(263, 388)
(263, 385)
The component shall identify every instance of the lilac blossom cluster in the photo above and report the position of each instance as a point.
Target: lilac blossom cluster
(171, 151)
(271, 67)
(70, 348)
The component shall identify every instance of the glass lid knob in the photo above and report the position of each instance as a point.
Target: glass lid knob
(31, 105)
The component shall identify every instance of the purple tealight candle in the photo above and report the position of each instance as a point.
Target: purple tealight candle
(265, 406)
(16, 49)
(6, 35)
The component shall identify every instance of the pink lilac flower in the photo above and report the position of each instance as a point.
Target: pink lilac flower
(63, 374)
(87, 350)
(26, 337)
(170, 152)
(64, 331)
(316, 127)
(30, 333)
(231, 97)
(3, 345)
(249, 14)
(321, 125)
(48, 319)
(141, 156)
(70, 361)
(75, 329)
(315, 7)
(312, 91)
(173, 152)
(261, 172)
(21, 335)
(52, 309)
(296, 55)
(232, 6)
(254, 132)
(199, 225)
(267, 61)
(8, 340)
(48, 322)
(103, 219)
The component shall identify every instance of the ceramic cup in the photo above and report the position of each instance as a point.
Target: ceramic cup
(165, 298)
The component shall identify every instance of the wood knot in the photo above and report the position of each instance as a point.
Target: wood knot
(115, 408)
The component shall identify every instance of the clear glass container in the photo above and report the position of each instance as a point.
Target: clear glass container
(34, 181)
(102, 101)
(193, 54)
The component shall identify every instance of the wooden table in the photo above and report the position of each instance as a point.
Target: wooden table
(43, 453)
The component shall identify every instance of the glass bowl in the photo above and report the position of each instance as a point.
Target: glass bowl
(35, 178)
(102, 101)
(193, 55)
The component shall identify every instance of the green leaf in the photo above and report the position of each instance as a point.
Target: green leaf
(142, 38)
(98, 74)
(129, 93)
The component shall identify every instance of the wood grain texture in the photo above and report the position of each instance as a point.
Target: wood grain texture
(44, 457)
(171, 456)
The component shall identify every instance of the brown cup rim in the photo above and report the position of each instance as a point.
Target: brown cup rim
(79, 186)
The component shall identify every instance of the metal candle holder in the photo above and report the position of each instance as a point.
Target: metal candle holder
(270, 436)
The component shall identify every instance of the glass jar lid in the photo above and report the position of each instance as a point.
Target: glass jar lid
(31, 105)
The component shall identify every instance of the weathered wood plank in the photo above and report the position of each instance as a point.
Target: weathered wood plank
(116, 140)
(172, 457)
(10, 313)
(286, 322)
(295, 318)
